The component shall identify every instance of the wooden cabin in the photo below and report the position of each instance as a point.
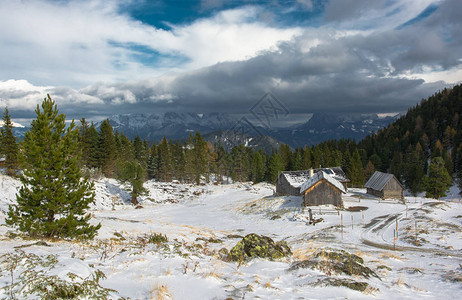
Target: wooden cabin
(288, 183)
(322, 189)
(384, 185)
(2, 161)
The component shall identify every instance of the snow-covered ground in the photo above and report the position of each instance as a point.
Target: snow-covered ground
(424, 260)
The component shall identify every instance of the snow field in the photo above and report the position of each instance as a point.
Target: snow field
(198, 221)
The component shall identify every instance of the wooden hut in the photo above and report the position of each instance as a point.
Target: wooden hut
(322, 189)
(384, 185)
(289, 182)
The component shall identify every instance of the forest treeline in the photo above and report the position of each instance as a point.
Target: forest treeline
(405, 148)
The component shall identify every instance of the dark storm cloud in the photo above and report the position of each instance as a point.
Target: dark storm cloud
(324, 69)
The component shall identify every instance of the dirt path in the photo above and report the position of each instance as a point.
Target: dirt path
(377, 227)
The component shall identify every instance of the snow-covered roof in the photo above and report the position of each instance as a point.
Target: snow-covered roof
(336, 172)
(318, 176)
(297, 178)
(378, 180)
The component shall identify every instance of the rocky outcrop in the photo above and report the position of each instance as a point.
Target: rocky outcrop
(254, 245)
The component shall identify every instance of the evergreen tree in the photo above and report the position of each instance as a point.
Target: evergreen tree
(9, 145)
(356, 171)
(53, 200)
(240, 163)
(369, 170)
(107, 153)
(134, 173)
(164, 161)
(200, 157)
(414, 171)
(307, 158)
(152, 164)
(189, 167)
(438, 180)
(258, 168)
(275, 166)
(92, 138)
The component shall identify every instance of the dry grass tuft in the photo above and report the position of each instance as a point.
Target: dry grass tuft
(161, 292)
(303, 253)
(388, 255)
(214, 275)
(401, 282)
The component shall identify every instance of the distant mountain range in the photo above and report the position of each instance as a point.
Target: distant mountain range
(219, 126)
(323, 126)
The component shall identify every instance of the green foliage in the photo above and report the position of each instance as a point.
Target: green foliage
(156, 238)
(240, 163)
(107, 148)
(438, 180)
(8, 145)
(164, 161)
(133, 172)
(29, 277)
(258, 168)
(54, 197)
(275, 166)
(355, 171)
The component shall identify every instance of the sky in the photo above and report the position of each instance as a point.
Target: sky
(97, 58)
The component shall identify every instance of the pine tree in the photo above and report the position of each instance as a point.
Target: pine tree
(152, 164)
(240, 163)
(369, 170)
(9, 145)
(134, 173)
(275, 166)
(438, 180)
(164, 161)
(414, 171)
(258, 168)
(356, 171)
(92, 137)
(307, 158)
(54, 198)
(200, 157)
(107, 148)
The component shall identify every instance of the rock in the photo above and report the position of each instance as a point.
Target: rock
(254, 245)
(223, 253)
(333, 261)
(348, 283)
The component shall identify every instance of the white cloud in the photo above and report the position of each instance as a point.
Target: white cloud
(82, 42)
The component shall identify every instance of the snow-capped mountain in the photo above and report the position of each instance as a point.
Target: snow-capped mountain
(318, 128)
(229, 139)
(18, 129)
(153, 127)
(322, 126)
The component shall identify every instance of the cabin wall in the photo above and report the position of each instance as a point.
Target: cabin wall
(375, 192)
(393, 189)
(323, 193)
(283, 187)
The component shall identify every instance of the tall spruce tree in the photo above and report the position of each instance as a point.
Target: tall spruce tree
(356, 170)
(164, 161)
(258, 168)
(107, 149)
(438, 180)
(275, 166)
(9, 145)
(54, 198)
